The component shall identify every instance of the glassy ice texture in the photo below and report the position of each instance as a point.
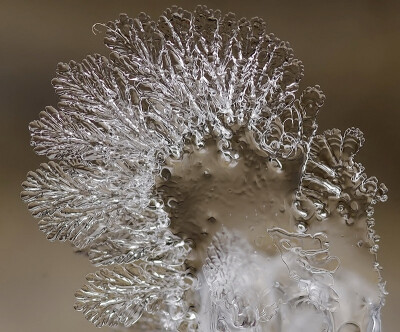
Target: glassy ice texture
(187, 166)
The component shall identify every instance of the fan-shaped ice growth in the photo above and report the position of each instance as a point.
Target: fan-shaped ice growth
(185, 163)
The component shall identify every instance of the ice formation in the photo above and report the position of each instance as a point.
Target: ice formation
(185, 166)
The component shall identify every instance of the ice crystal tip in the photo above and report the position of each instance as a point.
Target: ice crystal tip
(185, 164)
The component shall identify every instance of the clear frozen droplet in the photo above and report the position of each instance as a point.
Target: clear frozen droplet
(187, 166)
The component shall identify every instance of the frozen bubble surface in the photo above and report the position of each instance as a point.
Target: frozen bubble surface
(188, 167)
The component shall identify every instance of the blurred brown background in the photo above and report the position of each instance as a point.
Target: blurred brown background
(350, 48)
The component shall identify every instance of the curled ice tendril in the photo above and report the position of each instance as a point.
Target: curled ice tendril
(188, 167)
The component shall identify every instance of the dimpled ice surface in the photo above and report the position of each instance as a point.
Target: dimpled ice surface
(188, 167)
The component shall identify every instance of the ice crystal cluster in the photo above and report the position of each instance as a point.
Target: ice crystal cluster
(186, 165)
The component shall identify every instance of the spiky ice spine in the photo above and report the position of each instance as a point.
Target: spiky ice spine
(185, 163)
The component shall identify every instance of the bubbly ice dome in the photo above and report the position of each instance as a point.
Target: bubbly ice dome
(187, 166)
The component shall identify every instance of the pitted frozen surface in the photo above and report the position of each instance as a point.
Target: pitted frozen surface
(204, 192)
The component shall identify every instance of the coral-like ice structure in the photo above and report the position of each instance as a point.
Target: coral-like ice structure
(186, 165)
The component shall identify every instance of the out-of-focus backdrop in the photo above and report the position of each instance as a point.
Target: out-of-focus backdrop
(350, 48)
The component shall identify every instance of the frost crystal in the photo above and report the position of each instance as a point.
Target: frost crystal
(185, 164)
